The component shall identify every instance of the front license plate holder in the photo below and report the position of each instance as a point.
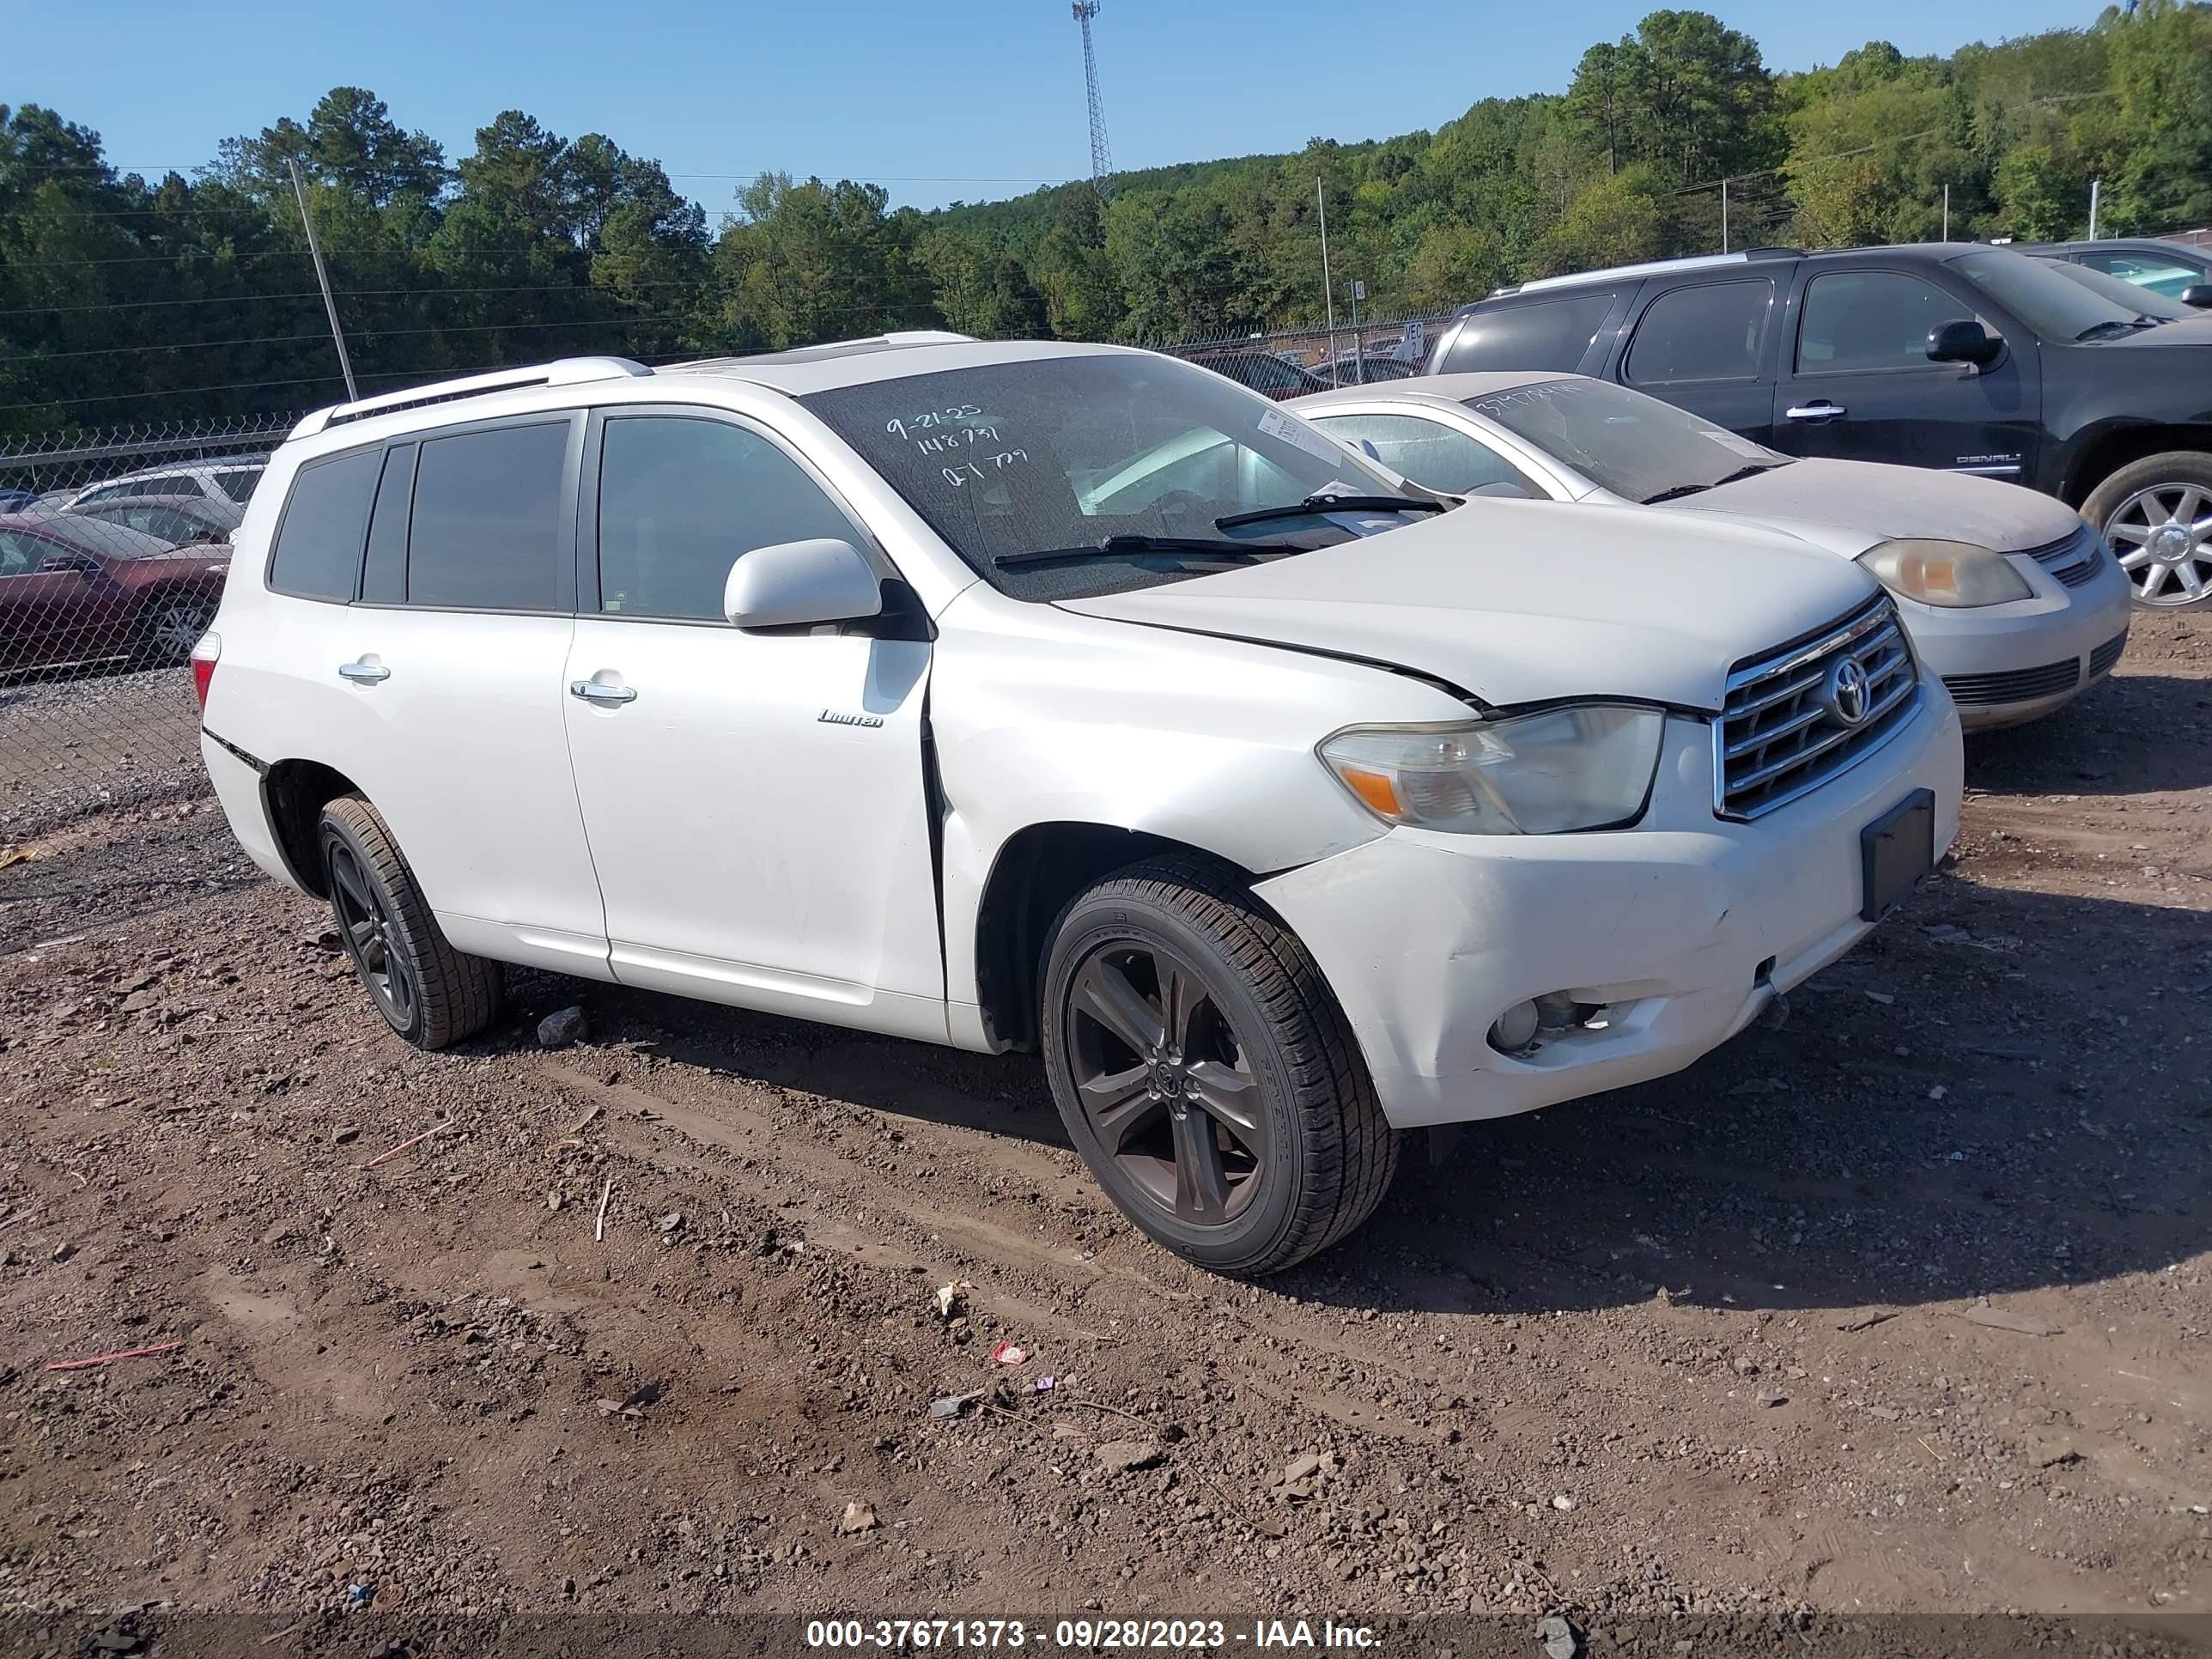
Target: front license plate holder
(1895, 851)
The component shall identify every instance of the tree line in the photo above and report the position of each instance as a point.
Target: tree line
(127, 300)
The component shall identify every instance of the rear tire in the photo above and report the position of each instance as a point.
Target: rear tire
(2156, 514)
(1205, 1074)
(427, 991)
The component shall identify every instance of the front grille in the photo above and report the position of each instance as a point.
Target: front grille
(2101, 660)
(2015, 684)
(2073, 561)
(1782, 732)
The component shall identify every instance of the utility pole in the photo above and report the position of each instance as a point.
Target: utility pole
(1724, 224)
(323, 278)
(2096, 189)
(1358, 346)
(1946, 213)
(1328, 294)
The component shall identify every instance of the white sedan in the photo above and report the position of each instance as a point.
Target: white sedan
(2007, 594)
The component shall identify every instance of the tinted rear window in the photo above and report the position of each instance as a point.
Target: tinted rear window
(238, 483)
(487, 522)
(1549, 334)
(317, 553)
(1714, 331)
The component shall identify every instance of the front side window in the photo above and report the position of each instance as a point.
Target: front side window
(319, 543)
(681, 499)
(485, 533)
(1057, 476)
(1541, 334)
(1856, 320)
(20, 554)
(1636, 446)
(1717, 332)
(1431, 453)
(165, 522)
(169, 483)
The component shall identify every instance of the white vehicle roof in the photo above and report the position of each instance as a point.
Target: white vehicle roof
(796, 372)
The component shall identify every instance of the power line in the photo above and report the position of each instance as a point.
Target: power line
(297, 253)
(343, 294)
(360, 334)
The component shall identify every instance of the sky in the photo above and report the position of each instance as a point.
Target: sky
(938, 99)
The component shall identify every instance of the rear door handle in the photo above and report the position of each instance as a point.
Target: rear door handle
(1823, 410)
(597, 691)
(364, 673)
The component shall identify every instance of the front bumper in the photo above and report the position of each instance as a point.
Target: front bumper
(2007, 664)
(1684, 928)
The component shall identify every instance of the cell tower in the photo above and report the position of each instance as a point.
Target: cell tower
(1101, 163)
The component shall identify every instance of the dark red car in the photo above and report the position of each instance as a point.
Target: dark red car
(1264, 372)
(80, 590)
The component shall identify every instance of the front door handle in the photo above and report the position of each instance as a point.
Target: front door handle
(1823, 410)
(597, 691)
(364, 673)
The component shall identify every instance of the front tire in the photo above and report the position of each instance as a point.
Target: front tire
(427, 991)
(1205, 1074)
(2157, 515)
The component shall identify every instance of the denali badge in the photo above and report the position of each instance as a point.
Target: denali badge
(832, 717)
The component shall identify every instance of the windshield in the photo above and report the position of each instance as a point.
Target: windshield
(2054, 308)
(1623, 442)
(2120, 291)
(1020, 459)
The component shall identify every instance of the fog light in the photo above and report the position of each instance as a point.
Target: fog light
(1516, 1028)
(1556, 1011)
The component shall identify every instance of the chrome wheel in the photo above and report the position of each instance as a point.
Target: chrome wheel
(371, 937)
(2163, 537)
(1163, 1084)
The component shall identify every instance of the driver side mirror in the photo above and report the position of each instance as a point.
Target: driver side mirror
(1963, 341)
(793, 583)
(2197, 296)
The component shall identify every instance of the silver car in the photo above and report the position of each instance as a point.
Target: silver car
(2007, 594)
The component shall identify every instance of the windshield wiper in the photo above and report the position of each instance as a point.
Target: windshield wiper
(1117, 547)
(1737, 477)
(1314, 504)
(2096, 330)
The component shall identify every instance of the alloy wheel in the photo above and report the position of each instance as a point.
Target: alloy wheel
(2163, 537)
(1164, 1084)
(176, 627)
(371, 937)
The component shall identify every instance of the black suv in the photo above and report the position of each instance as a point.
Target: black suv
(1972, 358)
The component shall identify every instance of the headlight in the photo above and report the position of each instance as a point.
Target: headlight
(1587, 767)
(1954, 574)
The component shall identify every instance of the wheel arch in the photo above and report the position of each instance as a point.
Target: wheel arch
(293, 794)
(2100, 454)
(1036, 870)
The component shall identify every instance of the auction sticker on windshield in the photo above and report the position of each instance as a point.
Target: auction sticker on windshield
(1292, 430)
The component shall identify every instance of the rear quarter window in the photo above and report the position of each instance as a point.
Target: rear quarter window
(326, 523)
(1548, 334)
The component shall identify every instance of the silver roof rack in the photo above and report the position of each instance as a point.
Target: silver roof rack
(1645, 269)
(567, 371)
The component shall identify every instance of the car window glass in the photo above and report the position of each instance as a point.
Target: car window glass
(1714, 331)
(1428, 452)
(1871, 319)
(22, 555)
(168, 485)
(384, 571)
(318, 552)
(1546, 334)
(486, 529)
(1627, 442)
(238, 483)
(165, 522)
(680, 500)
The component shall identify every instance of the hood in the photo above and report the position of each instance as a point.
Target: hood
(1872, 503)
(2193, 331)
(1523, 602)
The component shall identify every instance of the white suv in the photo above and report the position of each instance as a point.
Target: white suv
(1064, 697)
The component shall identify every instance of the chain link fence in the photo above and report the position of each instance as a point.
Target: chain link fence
(113, 549)
(1313, 356)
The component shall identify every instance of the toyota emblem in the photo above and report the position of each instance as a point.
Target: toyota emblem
(1847, 692)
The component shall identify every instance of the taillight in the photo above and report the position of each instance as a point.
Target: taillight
(206, 654)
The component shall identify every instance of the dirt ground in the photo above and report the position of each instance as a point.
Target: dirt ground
(1906, 1307)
